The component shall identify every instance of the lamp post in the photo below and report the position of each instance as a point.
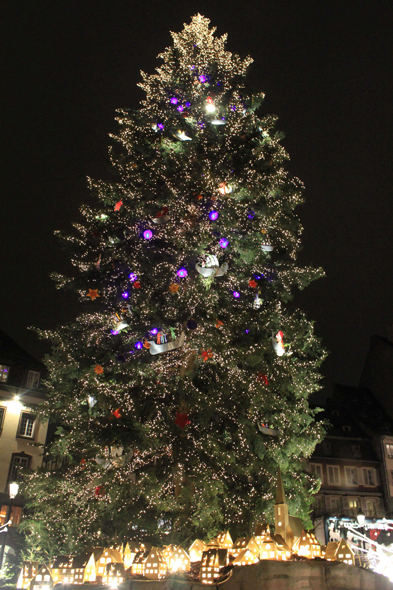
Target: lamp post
(13, 491)
(361, 518)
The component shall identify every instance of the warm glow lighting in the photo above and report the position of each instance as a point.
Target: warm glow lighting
(14, 488)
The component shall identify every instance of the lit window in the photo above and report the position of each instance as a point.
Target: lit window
(4, 372)
(389, 451)
(26, 425)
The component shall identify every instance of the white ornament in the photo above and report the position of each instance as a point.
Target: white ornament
(167, 346)
(278, 343)
(182, 136)
(267, 247)
(217, 270)
(257, 302)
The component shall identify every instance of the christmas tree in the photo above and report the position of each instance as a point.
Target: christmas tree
(184, 383)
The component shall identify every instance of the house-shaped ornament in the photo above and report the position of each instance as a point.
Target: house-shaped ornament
(246, 557)
(223, 541)
(137, 567)
(243, 543)
(97, 562)
(213, 560)
(176, 559)
(27, 573)
(289, 528)
(42, 580)
(340, 552)
(262, 531)
(307, 546)
(69, 570)
(196, 550)
(130, 550)
(154, 566)
(114, 574)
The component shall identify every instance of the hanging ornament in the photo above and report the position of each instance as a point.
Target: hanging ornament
(206, 354)
(266, 245)
(148, 234)
(265, 429)
(192, 325)
(116, 413)
(120, 325)
(93, 294)
(257, 302)
(218, 121)
(98, 263)
(219, 324)
(209, 266)
(146, 344)
(118, 205)
(210, 106)
(98, 369)
(252, 283)
(262, 378)
(137, 285)
(182, 420)
(162, 216)
(132, 276)
(99, 491)
(182, 272)
(160, 346)
(91, 401)
(278, 343)
(182, 136)
(174, 287)
(224, 189)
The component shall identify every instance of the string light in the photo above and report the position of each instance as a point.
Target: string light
(220, 467)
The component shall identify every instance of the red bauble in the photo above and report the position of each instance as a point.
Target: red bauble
(262, 378)
(137, 285)
(116, 413)
(182, 420)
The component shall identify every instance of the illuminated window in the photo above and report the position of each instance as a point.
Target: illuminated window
(26, 425)
(4, 373)
(333, 475)
(33, 380)
(389, 451)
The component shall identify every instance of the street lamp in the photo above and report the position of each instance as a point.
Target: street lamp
(13, 491)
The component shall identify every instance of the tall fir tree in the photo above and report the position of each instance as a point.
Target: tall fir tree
(185, 381)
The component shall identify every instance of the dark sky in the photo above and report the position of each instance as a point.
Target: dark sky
(326, 68)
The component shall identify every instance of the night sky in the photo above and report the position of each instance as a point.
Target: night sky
(326, 69)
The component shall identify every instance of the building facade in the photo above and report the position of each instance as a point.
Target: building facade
(20, 430)
(354, 463)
